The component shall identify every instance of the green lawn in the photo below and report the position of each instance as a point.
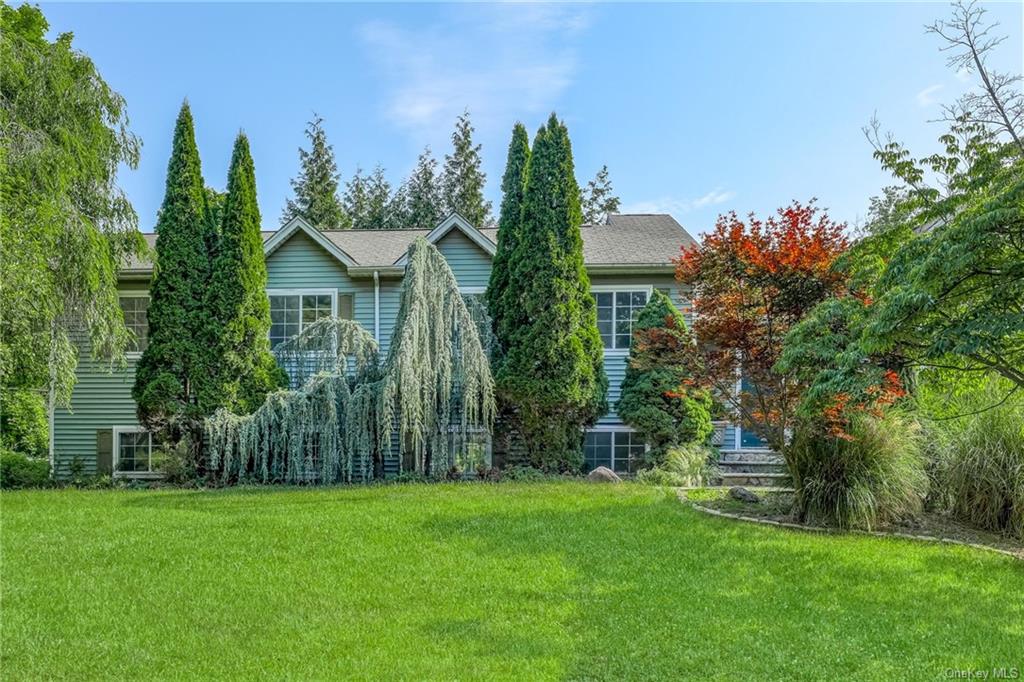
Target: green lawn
(461, 581)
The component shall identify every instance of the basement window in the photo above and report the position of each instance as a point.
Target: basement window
(621, 450)
(133, 451)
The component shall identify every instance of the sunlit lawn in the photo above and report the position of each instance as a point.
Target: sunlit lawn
(530, 581)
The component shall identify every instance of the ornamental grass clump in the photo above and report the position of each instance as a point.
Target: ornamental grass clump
(873, 473)
(979, 461)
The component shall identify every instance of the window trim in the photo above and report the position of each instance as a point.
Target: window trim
(333, 293)
(136, 293)
(619, 288)
(116, 454)
(613, 429)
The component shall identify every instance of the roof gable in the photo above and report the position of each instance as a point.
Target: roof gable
(456, 222)
(297, 224)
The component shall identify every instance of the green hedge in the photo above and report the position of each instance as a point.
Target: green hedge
(19, 471)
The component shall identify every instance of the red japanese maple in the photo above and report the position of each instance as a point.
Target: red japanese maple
(753, 280)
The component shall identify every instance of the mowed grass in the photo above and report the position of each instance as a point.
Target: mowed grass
(465, 581)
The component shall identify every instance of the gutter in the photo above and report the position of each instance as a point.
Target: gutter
(376, 307)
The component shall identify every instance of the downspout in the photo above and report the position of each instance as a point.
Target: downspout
(376, 306)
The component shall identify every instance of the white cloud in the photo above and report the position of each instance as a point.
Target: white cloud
(926, 97)
(963, 74)
(677, 206)
(496, 60)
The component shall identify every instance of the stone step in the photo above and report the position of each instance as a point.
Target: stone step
(760, 480)
(752, 467)
(766, 456)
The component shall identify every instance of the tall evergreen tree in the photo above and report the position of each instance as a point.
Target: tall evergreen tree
(599, 199)
(236, 298)
(398, 209)
(463, 184)
(175, 364)
(378, 201)
(502, 300)
(423, 193)
(357, 200)
(553, 370)
(316, 187)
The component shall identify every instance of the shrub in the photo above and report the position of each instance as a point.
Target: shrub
(525, 474)
(656, 399)
(875, 474)
(19, 471)
(175, 464)
(979, 461)
(23, 424)
(684, 465)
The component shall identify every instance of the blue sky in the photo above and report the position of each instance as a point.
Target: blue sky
(696, 108)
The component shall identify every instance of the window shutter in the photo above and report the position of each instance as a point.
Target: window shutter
(345, 306)
(105, 451)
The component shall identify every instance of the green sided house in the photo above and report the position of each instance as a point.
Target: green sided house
(357, 274)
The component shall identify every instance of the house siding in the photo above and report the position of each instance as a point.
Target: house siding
(470, 264)
(102, 397)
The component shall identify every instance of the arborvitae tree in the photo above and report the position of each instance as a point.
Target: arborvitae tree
(237, 299)
(170, 375)
(316, 188)
(599, 199)
(356, 200)
(424, 205)
(502, 300)
(378, 201)
(553, 370)
(463, 184)
(656, 400)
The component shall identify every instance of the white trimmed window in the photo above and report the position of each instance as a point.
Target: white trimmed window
(292, 310)
(133, 451)
(621, 450)
(136, 311)
(617, 310)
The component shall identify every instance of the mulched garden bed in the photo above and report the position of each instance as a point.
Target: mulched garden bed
(777, 506)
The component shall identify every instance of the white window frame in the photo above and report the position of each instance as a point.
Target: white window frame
(614, 289)
(613, 429)
(333, 293)
(116, 455)
(135, 354)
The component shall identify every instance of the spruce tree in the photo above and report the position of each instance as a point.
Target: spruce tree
(502, 300)
(236, 298)
(463, 184)
(553, 370)
(170, 375)
(316, 187)
(356, 200)
(424, 204)
(656, 399)
(599, 199)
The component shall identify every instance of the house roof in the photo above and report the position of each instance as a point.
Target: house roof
(625, 240)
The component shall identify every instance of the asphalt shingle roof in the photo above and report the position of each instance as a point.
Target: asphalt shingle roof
(627, 239)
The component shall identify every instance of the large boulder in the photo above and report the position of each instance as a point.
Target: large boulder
(743, 495)
(603, 475)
